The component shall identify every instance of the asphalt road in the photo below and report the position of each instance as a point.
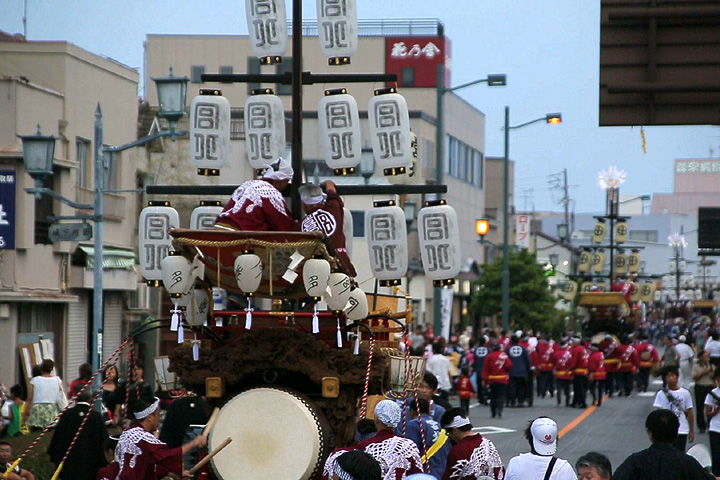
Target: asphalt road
(616, 429)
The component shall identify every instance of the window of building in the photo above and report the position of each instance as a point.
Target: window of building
(358, 217)
(253, 68)
(237, 124)
(82, 155)
(478, 170)
(407, 77)
(463, 161)
(282, 68)
(195, 73)
(112, 171)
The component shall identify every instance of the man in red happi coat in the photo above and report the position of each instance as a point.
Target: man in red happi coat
(629, 363)
(597, 374)
(496, 375)
(563, 360)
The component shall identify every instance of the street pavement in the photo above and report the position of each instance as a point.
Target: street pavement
(616, 429)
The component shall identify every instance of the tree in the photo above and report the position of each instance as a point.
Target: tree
(531, 304)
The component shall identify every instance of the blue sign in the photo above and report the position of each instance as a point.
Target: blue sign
(7, 209)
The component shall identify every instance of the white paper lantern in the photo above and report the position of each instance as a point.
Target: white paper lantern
(621, 264)
(389, 123)
(339, 128)
(264, 129)
(647, 292)
(154, 238)
(176, 275)
(409, 175)
(634, 262)
(348, 231)
(267, 27)
(200, 303)
(357, 305)
(316, 276)
(657, 295)
(209, 133)
(339, 291)
(386, 233)
(439, 235)
(636, 292)
(203, 217)
(337, 29)
(598, 261)
(248, 272)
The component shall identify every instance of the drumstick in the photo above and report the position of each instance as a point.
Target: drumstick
(211, 422)
(210, 455)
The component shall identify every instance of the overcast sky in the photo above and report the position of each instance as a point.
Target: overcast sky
(549, 50)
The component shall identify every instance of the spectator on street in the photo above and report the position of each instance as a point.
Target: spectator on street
(686, 356)
(109, 387)
(713, 347)
(439, 365)
(593, 466)
(662, 461)
(540, 462)
(679, 402)
(139, 391)
(427, 391)
(465, 389)
(45, 396)
(472, 455)
(16, 414)
(703, 373)
(712, 407)
(84, 375)
(6, 461)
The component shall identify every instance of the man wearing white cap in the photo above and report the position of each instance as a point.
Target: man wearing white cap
(540, 463)
(472, 456)
(258, 205)
(398, 457)
(141, 456)
(324, 213)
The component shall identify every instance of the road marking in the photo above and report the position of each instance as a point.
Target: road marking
(646, 394)
(476, 405)
(657, 382)
(490, 430)
(588, 411)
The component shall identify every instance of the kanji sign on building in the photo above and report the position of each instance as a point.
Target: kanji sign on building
(522, 231)
(7, 209)
(415, 60)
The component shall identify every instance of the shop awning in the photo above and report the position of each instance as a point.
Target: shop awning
(113, 258)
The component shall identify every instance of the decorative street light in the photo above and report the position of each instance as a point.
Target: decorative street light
(38, 156)
(482, 227)
(550, 118)
(172, 92)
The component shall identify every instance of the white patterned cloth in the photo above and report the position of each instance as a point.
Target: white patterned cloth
(473, 457)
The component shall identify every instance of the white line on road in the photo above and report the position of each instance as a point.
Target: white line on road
(490, 430)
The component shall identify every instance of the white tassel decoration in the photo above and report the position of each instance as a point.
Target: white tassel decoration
(175, 319)
(356, 350)
(181, 334)
(339, 335)
(196, 348)
(248, 315)
(315, 321)
(218, 321)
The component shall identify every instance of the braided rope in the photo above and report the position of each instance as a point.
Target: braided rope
(52, 424)
(426, 463)
(408, 372)
(77, 434)
(255, 242)
(363, 404)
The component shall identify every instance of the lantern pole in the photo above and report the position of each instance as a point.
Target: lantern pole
(297, 106)
(99, 187)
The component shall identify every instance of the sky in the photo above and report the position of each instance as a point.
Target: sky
(549, 51)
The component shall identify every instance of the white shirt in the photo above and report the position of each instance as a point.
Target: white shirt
(710, 400)
(45, 389)
(684, 403)
(685, 351)
(528, 466)
(713, 346)
(439, 365)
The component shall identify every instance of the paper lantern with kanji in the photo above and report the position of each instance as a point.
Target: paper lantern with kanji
(357, 305)
(316, 275)
(635, 292)
(634, 261)
(386, 234)
(154, 238)
(203, 217)
(439, 237)
(570, 290)
(340, 288)
(200, 306)
(598, 261)
(621, 232)
(389, 124)
(267, 28)
(339, 128)
(264, 128)
(587, 286)
(209, 134)
(621, 263)
(176, 274)
(409, 175)
(584, 261)
(599, 232)
(248, 272)
(338, 29)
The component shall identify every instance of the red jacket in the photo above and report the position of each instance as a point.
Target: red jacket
(647, 354)
(580, 358)
(562, 359)
(596, 365)
(629, 359)
(544, 355)
(612, 360)
(465, 387)
(496, 368)
(256, 205)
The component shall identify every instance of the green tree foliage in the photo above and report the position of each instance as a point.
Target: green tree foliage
(531, 304)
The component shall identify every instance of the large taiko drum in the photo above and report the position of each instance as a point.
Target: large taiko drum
(277, 433)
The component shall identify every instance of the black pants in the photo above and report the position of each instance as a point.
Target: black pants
(597, 390)
(529, 389)
(701, 391)
(563, 386)
(545, 381)
(681, 442)
(482, 393)
(465, 404)
(498, 392)
(715, 452)
(516, 391)
(611, 383)
(643, 382)
(626, 382)
(580, 385)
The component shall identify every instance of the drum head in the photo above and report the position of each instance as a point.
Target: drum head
(276, 433)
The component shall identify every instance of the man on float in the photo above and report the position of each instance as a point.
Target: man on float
(141, 456)
(258, 205)
(324, 213)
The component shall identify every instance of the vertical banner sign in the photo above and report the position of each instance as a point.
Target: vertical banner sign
(522, 231)
(7, 209)
(446, 308)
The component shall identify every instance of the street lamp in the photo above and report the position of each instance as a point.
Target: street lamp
(493, 80)
(482, 227)
(38, 152)
(550, 118)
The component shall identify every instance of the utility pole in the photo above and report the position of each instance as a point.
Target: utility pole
(566, 204)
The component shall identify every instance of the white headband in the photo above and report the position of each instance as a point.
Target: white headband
(341, 473)
(141, 415)
(458, 422)
(278, 170)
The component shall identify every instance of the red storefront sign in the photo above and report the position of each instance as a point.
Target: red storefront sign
(415, 60)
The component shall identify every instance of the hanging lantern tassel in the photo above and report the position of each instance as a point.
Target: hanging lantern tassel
(315, 320)
(356, 350)
(248, 315)
(181, 334)
(644, 140)
(339, 334)
(175, 319)
(196, 348)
